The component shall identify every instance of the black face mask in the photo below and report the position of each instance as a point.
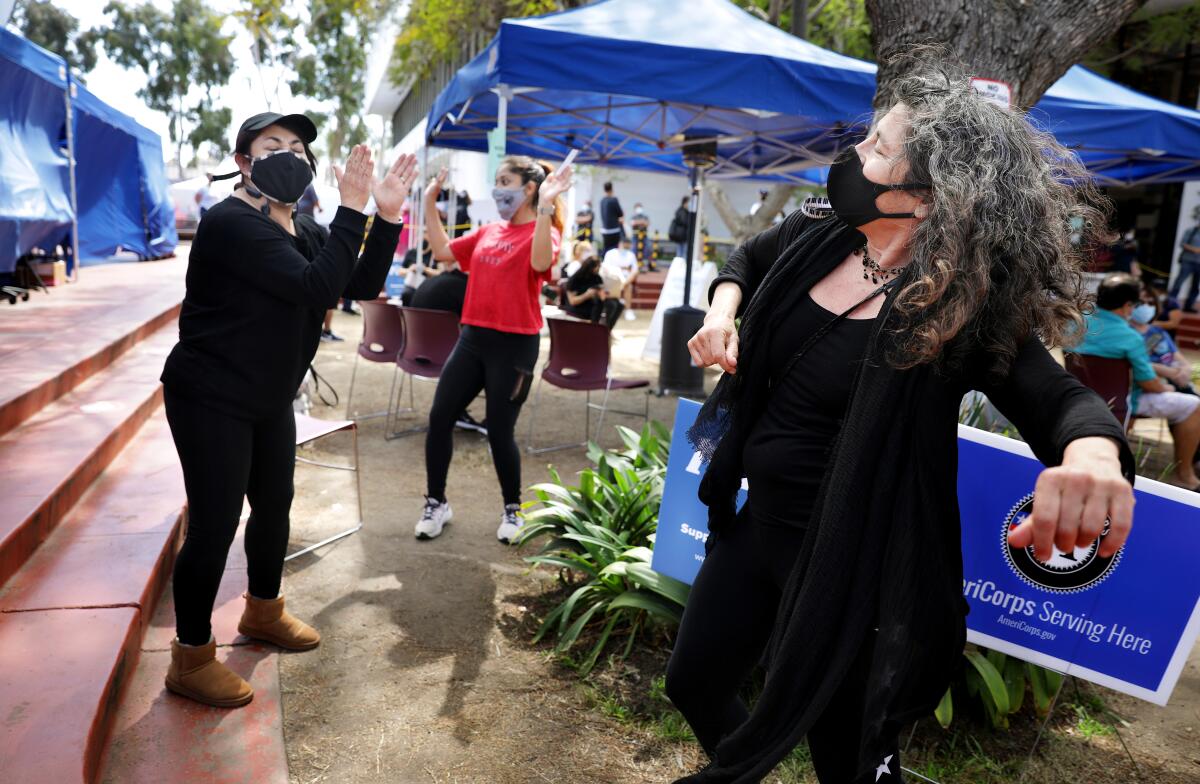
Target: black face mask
(853, 196)
(280, 176)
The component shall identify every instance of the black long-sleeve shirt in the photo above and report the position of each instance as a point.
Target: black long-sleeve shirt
(256, 296)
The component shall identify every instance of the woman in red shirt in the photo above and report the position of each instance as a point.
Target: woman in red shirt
(507, 262)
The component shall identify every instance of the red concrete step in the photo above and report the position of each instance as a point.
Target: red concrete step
(54, 342)
(1189, 331)
(73, 617)
(647, 288)
(48, 462)
(160, 738)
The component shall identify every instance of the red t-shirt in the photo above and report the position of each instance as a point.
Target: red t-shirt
(503, 288)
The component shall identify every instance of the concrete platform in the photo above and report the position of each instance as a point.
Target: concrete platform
(55, 341)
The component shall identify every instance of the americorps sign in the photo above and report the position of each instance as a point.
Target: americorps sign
(1127, 622)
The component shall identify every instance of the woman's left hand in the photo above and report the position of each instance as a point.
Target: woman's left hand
(555, 184)
(1072, 501)
(393, 188)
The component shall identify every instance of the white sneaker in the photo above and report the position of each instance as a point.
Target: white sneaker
(433, 518)
(510, 524)
(630, 315)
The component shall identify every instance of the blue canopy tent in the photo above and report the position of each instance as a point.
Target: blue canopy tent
(624, 81)
(120, 182)
(35, 184)
(120, 196)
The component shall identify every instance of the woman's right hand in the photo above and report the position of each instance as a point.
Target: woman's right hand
(435, 186)
(354, 182)
(716, 343)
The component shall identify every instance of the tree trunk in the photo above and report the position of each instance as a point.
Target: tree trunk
(1028, 44)
(800, 18)
(744, 226)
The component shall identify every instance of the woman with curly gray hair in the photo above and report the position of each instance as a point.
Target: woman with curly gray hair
(946, 267)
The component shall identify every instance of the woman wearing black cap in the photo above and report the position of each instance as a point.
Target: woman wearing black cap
(259, 280)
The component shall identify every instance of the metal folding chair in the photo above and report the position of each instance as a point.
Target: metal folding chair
(383, 335)
(310, 429)
(429, 337)
(579, 360)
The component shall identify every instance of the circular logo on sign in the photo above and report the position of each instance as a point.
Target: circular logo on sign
(1065, 572)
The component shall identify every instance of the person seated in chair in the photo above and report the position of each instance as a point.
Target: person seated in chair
(1168, 362)
(588, 299)
(1109, 334)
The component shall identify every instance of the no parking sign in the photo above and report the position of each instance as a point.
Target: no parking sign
(1126, 622)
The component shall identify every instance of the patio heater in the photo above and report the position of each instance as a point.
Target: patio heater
(676, 373)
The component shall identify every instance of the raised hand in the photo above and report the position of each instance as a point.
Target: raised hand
(555, 184)
(392, 189)
(354, 182)
(435, 186)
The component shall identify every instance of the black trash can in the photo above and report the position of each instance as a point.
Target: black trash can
(676, 373)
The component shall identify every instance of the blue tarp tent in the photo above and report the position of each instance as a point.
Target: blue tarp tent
(624, 79)
(120, 183)
(120, 180)
(35, 187)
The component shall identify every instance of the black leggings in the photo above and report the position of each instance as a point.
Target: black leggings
(725, 629)
(501, 364)
(226, 459)
(608, 310)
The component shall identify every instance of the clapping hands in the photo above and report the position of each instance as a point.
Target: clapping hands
(357, 183)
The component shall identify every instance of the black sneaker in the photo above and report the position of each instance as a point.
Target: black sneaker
(468, 422)
(329, 336)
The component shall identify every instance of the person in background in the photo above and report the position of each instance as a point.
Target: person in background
(259, 278)
(612, 219)
(1168, 363)
(620, 271)
(639, 224)
(678, 230)
(1109, 334)
(462, 215)
(1168, 314)
(584, 218)
(587, 297)
(1189, 264)
(309, 203)
(205, 199)
(506, 263)
(418, 275)
(762, 198)
(1125, 254)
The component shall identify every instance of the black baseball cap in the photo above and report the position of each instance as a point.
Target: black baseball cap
(298, 123)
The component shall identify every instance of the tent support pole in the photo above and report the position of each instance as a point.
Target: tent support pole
(71, 175)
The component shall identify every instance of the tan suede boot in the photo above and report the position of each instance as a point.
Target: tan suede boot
(266, 619)
(195, 673)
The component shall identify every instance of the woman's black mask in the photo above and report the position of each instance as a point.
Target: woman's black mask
(853, 196)
(280, 176)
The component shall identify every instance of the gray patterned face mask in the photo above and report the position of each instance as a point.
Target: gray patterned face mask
(508, 201)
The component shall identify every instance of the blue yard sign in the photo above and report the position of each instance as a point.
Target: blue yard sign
(1127, 622)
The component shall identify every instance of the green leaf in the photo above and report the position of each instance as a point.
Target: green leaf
(667, 587)
(995, 690)
(944, 712)
(590, 661)
(1014, 679)
(567, 639)
(651, 603)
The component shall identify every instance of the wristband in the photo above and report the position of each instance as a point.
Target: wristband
(545, 210)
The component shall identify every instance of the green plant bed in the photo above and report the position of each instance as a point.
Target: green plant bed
(597, 534)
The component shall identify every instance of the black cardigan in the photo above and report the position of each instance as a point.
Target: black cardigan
(256, 297)
(882, 576)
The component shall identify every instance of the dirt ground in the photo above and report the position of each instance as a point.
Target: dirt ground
(420, 676)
